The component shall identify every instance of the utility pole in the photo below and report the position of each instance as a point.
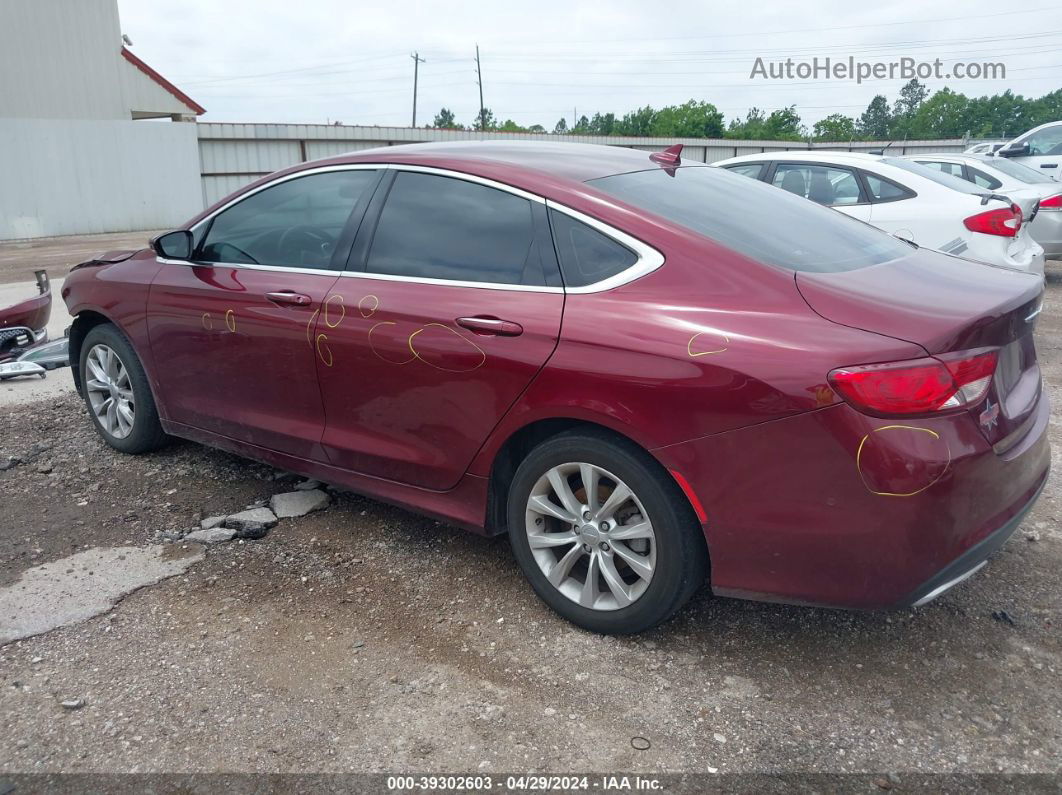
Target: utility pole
(479, 79)
(417, 61)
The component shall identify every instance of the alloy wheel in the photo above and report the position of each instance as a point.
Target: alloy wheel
(590, 536)
(110, 391)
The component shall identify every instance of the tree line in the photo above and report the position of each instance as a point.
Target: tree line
(915, 114)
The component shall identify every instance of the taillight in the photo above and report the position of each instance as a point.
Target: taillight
(1005, 221)
(917, 386)
(1053, 203)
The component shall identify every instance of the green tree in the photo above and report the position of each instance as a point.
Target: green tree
(582, 127)
(943, 115)
(691, 119)
(444, 120)
(751, 128)
(784, 125)
(485, 122)
(835, 127)
(561, 127)
(510, 126)
(636, 122)
(876, 119)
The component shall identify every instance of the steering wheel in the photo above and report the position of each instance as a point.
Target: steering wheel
(313, 236)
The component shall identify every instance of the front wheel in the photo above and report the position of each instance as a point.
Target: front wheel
(117, 393)
(603, 534)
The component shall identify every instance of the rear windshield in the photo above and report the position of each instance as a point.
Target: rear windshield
(755, 219)
(936, 175)
(1017, 170)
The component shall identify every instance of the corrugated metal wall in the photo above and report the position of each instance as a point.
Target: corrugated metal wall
(232, 155)
(65, 177)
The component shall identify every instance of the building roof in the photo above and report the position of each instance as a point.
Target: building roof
(194, 106)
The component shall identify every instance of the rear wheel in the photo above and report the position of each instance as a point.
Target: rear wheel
(117, 393)
(603, 534)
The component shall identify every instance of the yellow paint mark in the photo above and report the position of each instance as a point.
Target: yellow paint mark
(380, 355)
(230, 320)
(368, 311)
(859, 454)
(689, 345)
(327, 362)
(327, 314)
(439, 367)
(309, 327)
(208, 322)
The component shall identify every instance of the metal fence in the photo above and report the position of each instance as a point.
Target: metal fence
(231, 155)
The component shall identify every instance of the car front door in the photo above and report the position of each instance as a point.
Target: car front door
(229, 329)
(834, 186)
(1045, 151)
(452, 305)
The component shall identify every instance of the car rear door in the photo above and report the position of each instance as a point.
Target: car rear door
(230, 329)
(451, 305)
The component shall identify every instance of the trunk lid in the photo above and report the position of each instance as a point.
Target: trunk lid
(947, 304)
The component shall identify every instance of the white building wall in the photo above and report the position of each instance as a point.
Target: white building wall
(63, 177)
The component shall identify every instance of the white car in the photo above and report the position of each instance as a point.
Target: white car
(1039, 149)
(1006, 177)
(909, 200)
(986, 148)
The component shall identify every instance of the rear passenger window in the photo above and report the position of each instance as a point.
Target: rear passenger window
(822, 184)
(882, 190)
(753, 170)
(954, 169)
(444, 228)
(586, 255)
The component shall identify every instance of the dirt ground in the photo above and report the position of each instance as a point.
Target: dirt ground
(20, 258)
(365, 638)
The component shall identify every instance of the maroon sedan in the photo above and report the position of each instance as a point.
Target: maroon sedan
(647, 372)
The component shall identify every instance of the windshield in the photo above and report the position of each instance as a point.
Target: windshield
(755, 219)
(1017, 170)
(947, 180)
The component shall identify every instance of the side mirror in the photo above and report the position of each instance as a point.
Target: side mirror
(1014, 150)
(174, 245)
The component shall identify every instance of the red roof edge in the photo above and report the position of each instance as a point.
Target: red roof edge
(162, 81)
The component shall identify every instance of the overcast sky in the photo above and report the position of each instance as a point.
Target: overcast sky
(317, 61)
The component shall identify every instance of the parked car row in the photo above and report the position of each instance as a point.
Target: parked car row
(648, 373)
(980, 208)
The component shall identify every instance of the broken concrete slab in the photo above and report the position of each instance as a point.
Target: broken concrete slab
(211, 535)
(211, 522)
(299, 503)
(88, 584)
(252, 523)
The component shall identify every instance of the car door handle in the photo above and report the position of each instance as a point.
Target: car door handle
(1049, 165)
(491, 326)
(289, 297)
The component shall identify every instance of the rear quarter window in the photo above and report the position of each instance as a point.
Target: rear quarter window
(754, 219)
(586, 255)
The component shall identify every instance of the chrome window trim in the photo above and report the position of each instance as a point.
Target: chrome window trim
(649, 259)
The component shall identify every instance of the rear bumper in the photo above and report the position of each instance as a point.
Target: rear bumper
(970, 561)
(837, 509)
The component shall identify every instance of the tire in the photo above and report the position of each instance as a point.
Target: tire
(667, 566)
(144, 433)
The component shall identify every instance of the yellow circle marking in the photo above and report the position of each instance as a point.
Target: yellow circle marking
(368, 311)
(859, 454)
(439, 367)
(327, 362)
(208, 322)
(379, 355)
(342, 311)
(230, 320)
(689, 345)
(309, 327)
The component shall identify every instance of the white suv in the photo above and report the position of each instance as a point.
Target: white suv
(1040, 148)
(909, 200)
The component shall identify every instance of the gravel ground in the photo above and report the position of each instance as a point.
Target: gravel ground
(365, 638)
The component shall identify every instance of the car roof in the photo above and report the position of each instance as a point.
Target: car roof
(563, 161)
(816, 156)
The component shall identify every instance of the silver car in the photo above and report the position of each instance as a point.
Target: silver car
(1006, 177)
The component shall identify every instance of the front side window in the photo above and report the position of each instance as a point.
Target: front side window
(295, 223)
(754, 170)
(755, 219)
(446, 228)
(822, 184)
(1047, 141)
(586, 255)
